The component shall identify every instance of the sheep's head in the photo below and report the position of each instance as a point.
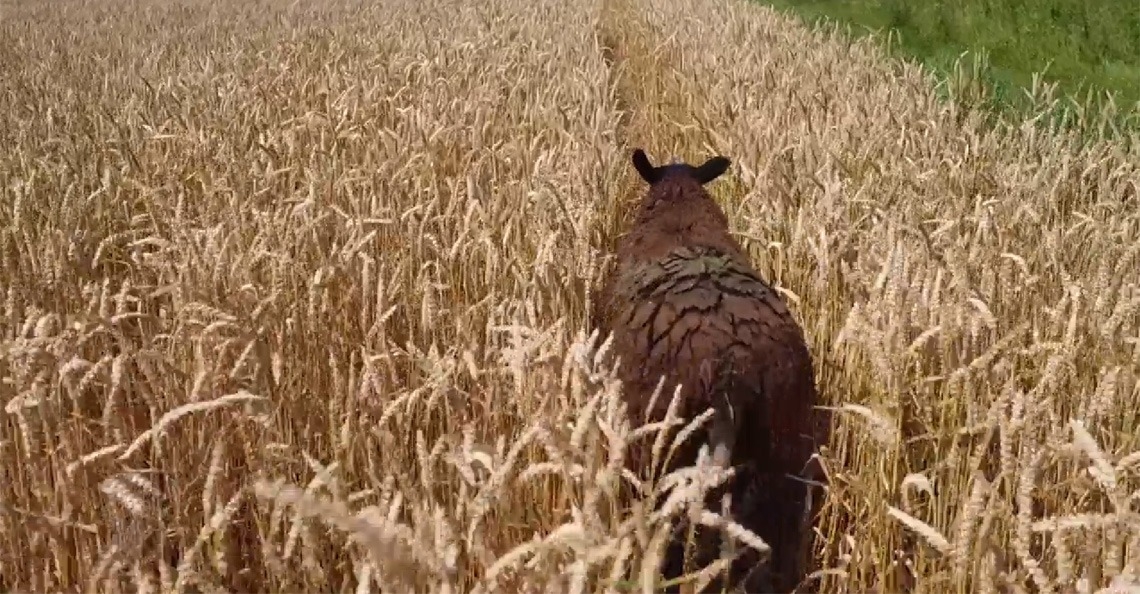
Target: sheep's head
(677, 198)
(710, 170)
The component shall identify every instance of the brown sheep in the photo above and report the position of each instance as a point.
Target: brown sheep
(685, 302)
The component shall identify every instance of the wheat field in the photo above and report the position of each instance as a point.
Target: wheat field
(294, 297)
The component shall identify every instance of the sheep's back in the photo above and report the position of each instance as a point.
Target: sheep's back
(706, 319)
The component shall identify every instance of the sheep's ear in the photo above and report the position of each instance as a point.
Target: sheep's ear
(646, 169)
(712, 169)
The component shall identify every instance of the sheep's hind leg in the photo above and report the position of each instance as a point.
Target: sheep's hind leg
(715, 453)
(722, 435)
(721, 442)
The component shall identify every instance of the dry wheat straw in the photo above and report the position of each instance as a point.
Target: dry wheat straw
(269, 267)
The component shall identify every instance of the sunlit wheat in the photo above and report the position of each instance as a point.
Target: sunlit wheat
(293, 297)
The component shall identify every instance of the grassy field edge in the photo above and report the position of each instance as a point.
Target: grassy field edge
(989, 54)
